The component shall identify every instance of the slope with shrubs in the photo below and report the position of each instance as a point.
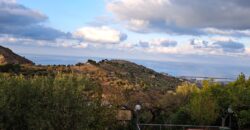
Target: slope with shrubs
(139, 75)
(122, 80)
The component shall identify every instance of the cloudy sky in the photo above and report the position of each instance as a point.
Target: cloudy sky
(213, 31)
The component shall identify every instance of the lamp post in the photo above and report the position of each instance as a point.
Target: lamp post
(137, 109)
(230, 112)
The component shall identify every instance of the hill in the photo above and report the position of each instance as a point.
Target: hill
(138, 74)
(9, 57)
(122, 82)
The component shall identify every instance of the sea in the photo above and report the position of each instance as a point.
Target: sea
(178, 69)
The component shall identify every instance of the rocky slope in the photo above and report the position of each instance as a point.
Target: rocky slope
(9, 57)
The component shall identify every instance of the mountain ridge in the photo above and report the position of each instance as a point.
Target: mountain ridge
(7, 56)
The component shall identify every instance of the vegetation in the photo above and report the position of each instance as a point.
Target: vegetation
(205, 105)
(64, 101)
(14, 68)
(139, 75)
(209, 104)
(87, 96)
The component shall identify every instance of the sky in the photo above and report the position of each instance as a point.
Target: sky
(196, 31)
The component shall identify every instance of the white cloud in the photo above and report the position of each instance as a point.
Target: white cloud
(248, 51)
(20, 21)
(222, 39)
(158, 45)
(80, 45)
(138, 25)
(163, 50)
(239, 33)
(230, 47)
(7, 39)
(217, 46)
(102, 34)
(66, 43)
(221, 46)
(159, 42)
(125, 46)
(8, 1)
(184, 17)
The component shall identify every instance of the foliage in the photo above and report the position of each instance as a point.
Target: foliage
(64, 101)
(186, 89)
(181, 117)
(86, 97)
(92, 62)
(15, 68)
(203, 109)
(139, 75)
(244, 118)
(210, 104)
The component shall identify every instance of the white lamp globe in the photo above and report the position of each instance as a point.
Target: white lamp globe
(137, 107)
(230, 110)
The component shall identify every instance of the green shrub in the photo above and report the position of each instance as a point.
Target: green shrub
(62, 102)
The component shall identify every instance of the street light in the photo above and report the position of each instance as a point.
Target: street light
(137, 109)
(230, 111)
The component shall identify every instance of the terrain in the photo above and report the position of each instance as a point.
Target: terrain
(119, 79)
(9, 57)
(89, 96)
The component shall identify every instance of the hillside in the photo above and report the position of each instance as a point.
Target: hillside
(122, 82)
(112, 73)
(138, 74)
(9, 57)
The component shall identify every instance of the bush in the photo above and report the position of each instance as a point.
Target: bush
(63, 102)
(10, 68)
(245, 118)
(92, 62)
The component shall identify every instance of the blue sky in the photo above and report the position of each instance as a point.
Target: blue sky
(162, 30)
(67, 15)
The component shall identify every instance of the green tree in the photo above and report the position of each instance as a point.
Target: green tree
(64, 101)
(203, 109)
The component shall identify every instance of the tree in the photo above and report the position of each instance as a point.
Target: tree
(186, 90)
(64, 101)
(244, 118)
(203, 109)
